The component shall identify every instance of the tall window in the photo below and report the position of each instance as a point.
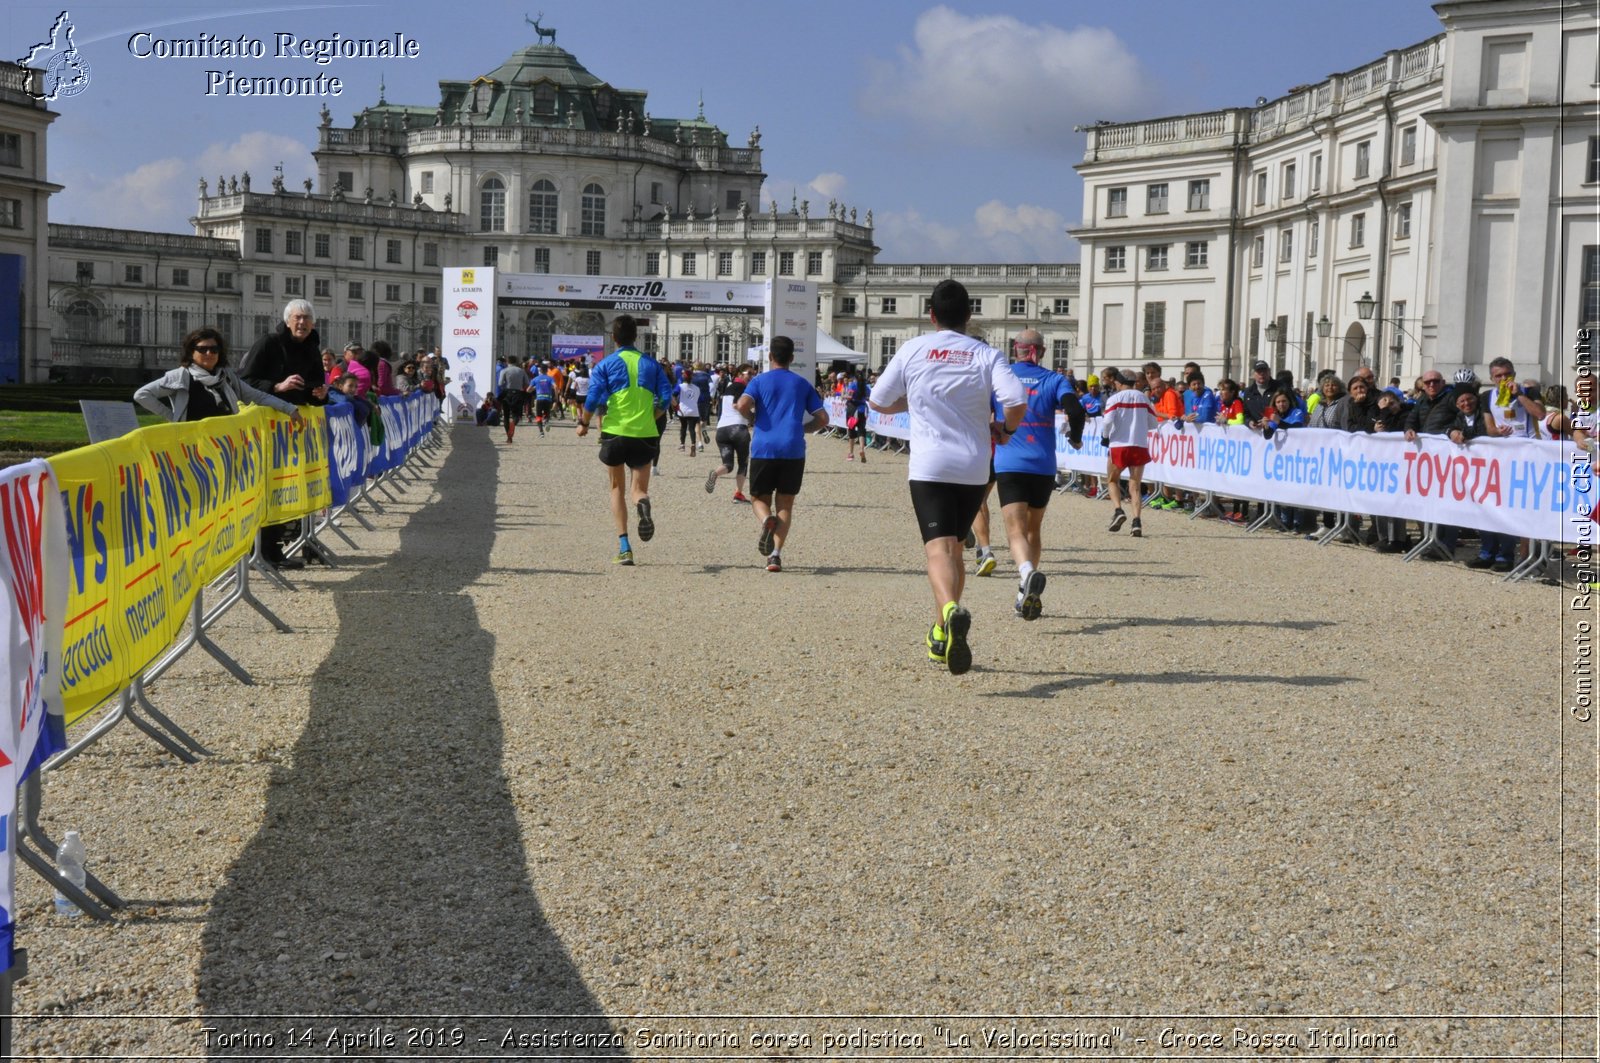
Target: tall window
(724, 263)
(974, 307)
(1408, 145)
(1589, 297)
(1200, 194)
(1155, 258)
(1259, 180)
(263, 241)
(847, 306)
(785, 263)
(391, 293)
(541, 260)
(392, 251)
(1316, 171)
(322, 288)
(225, 326)
(492, 206)
(225, 280)
(1017, 305)
(133, 324)
(1155, 330)
(1289, 171)
(430, 254)
(321, 245)
(427, 182)
(887, 345)
(1358, 230)
(354, 291)
(491, 255)
(133, 274)
(291, 286)
(180, 325)
(1116, 259)
(345, 181)
(594, 211)
(1363, 159)
(1591, 173)
(542, 204)
(813, 263)
(652, 263)
(591, 263)
(690, 264)
(357, 249)
(1258, 251)
(1285, 244)
(889, 305)
(758, 263)
(1402, 220)
(732, 199)
(10, 149)
(180, 278)
(263, 284)
(686, 346)
(1196, 253)
(1313, 231)
(1060, 355)
(1117, 202)
(292, 244)
(1155, 198)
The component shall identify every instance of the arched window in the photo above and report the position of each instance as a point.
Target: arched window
(540, 328)
(542, 204)
(492, 206)
(594, 211)
(83, 321)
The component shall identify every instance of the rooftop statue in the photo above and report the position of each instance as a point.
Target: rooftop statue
(540, 30)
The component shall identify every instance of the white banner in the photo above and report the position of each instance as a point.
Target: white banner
(630, 295)
(467, 331)
(1530, 488)
(792, 312)
(892, 425)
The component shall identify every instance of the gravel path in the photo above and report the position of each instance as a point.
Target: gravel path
(1225, 775)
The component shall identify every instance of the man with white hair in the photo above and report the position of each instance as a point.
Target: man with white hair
(288, 363)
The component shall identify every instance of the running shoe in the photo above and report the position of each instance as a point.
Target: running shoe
(624, 557)
(1117, 520)
(1030, 607)
(937, 648)
(774, 563)
(740, 496)
(647, 524)
(957, 622)
(1137, 530)
(769, 528)
(849, 457)
(711, 481)
(986, 562)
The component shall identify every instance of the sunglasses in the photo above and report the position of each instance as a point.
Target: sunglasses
(208, 348)
(1430, 383)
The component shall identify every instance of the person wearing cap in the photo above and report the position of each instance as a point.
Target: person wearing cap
(1257, 396)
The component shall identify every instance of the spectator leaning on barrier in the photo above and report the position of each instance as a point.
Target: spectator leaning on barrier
(204, 384)
(1257, 395)
(1434, 410)
(288, 363)
(1511, 409)
(1330, 391)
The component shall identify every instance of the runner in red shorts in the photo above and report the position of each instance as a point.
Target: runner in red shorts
(1125, 432)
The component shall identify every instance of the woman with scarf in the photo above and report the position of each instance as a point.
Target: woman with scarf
(204, 384)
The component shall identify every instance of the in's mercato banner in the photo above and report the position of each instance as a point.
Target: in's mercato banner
(1530, 488)
(152, 517)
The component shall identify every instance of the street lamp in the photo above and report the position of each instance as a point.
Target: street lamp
(1275, 336)
(1367, 310)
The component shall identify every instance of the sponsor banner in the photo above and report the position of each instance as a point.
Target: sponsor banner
(30, 626)
(632, 295)
(791, 310)
(892, 425)
(298, 464)
(570, 348)
(349, 448)
(1529, 488)
(466, 322)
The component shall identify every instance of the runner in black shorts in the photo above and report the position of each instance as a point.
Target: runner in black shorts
(783, 406)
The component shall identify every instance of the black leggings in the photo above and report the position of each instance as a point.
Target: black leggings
(687, 427)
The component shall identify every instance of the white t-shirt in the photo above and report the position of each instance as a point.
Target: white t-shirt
(947, 379)
(580, 386)
(729, 416)
(688, 400)
(1513, 413)
(1129, 419)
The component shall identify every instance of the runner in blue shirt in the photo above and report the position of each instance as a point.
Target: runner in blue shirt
(544, 397)
(785, 407)
(1025, 465)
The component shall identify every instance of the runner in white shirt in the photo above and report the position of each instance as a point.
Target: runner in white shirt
(1125, 433)
(946, 380)
(733, 440)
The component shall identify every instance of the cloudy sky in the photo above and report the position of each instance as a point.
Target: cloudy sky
(952, 122)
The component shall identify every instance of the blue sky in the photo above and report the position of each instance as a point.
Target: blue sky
(951, 122)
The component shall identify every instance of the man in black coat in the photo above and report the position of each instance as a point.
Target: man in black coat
(1258, 396)
(287, 362)
(1435, 411)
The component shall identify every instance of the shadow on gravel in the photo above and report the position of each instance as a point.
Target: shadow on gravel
(1067, 682)
(389, 877)
(1116, 623)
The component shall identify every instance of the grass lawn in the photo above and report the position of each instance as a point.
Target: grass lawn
(52, 428)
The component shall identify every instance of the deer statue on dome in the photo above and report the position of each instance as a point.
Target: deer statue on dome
(540, 30)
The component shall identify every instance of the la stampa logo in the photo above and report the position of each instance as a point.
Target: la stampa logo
(467, 308)
(66, 72)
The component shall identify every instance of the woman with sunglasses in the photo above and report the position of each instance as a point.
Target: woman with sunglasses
(204, 384)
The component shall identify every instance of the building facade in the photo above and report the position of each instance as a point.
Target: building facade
(1427, 209)
(24, 226)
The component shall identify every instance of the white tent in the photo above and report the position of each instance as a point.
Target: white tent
(828, 350)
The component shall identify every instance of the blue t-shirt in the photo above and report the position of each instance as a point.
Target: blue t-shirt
(1203, 406)
(1033, 448)
(784, 401)
(544, 387)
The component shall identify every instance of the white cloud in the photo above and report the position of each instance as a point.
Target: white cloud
(829, 184)
(790, 192)
(997, 82)
(161, 195)
(996, 232)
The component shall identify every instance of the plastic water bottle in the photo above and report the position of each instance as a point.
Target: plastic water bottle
(70, 863)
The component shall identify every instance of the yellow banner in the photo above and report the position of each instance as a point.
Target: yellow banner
(156, 515)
